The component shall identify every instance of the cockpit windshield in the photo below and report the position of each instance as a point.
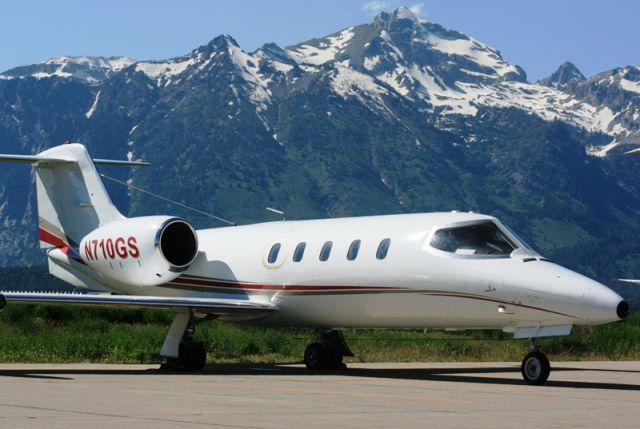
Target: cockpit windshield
(517, 237)
(483, 238)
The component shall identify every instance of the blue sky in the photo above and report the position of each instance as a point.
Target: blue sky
(537, 35)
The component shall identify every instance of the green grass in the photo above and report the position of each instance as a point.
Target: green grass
(57, 334)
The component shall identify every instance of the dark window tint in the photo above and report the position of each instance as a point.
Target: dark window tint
(273, 253)
(353, 250)
(477, 239)
(383, 248)
(299, 252)
(326, 250)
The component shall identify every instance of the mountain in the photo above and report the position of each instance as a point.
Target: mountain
(566, 75)
(397, 115)
(87, 69)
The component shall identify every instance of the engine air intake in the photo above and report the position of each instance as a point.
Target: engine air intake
(178, 243)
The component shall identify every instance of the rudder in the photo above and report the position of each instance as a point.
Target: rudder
(72, 199)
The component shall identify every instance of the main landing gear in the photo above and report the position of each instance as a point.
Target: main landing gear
(180, 349)
(535, 366)
(327, 352)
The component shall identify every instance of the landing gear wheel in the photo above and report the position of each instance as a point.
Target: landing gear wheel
(315, 356)
(193, 356)
(319, 356)
(535, 368)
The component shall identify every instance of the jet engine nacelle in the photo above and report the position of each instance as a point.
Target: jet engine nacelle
(141, 251)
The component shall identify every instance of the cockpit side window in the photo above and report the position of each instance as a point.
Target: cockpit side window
(476, 239)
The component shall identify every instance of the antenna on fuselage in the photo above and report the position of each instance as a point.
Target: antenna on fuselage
(276, 211)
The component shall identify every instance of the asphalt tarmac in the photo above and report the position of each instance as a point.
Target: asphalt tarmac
(383, 395)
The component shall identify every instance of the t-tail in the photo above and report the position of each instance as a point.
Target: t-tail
(89, 242)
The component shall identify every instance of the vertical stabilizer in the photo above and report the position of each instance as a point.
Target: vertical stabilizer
(72, 199)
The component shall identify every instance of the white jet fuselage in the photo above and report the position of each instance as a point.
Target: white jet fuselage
(414, 286)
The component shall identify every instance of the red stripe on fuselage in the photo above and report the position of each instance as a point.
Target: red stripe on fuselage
(272, 287)
(189, 280)
(485, 298)
(59, 243)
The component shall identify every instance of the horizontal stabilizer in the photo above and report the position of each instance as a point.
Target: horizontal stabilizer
(35, 159)
(115, 162)
(46, 160)
(221, 307)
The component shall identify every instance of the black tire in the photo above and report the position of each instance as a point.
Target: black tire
(193, 356)
(535, 368)
(319, 356)
(315, 356)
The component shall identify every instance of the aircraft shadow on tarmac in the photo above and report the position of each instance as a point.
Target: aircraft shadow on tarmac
(451, 374)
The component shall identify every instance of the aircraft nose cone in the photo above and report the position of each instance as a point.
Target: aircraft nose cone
(602, 305)
(623, 309)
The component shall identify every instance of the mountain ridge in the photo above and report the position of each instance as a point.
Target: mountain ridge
(480, 75)
(397, 115)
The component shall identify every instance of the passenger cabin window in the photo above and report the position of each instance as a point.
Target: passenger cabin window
(477, 239)
(326, 250)
(273, 253)
(352, 253)
(383, 248)
(299, 252)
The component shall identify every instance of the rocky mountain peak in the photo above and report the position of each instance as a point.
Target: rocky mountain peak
(404, 13)
(567, 74)
(385, 19)
(631, 73)
(222, 41)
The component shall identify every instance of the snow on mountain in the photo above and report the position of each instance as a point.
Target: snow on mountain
(617, 91)
(449, 73)
(348, 82)
(399, 55)
(249, 70)
(164, 72)
(629, 85)
(628, 78)
(322, 51)
(84, 68)
(93, 107)
(222, 50)
(471, 49)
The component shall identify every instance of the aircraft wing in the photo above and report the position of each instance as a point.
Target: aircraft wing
(633, 281)
(221, 307)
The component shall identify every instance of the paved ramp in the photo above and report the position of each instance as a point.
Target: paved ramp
(386, 395)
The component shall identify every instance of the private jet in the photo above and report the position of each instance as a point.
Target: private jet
(448, 270)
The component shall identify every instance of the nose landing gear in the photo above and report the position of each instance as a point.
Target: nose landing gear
(327, 352)
(535, 366)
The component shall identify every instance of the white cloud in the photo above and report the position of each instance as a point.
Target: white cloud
(417, 8)
(374, 7)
